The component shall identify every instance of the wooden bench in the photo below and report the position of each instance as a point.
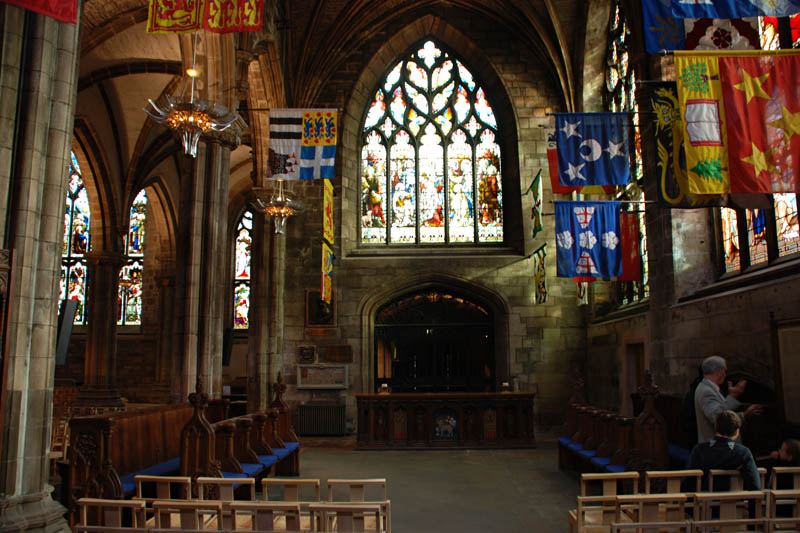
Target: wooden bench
(108, 451)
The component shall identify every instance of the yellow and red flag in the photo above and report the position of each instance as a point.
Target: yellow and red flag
(327, 273)
(218, 16)
(741, 117)
(327, 211)
(63, 10)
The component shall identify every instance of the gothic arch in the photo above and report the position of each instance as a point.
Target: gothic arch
(369, 305)
(374, 70)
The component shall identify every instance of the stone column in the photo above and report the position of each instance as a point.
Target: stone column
(38, 68)
(277, 290)
(166, 299)
(99, 392)
(258, 331)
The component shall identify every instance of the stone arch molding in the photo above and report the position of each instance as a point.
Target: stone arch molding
(357, 106)
(369, 305)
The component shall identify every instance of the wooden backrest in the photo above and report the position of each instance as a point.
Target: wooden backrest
(264, 515)
(609, 483)
(792, 472)
(729, 504)
(649, 432)
(788, 501)
(222, 489)
(356, 489)
(292, 489)
(623, 429)
(241, 441)
(104, 512)
(193, 514)
(648, 508)
(670, 481)
(152, 488)
(343, 516)
(223, 446)
(717, 476)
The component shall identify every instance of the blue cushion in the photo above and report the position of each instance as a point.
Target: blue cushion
(615, 469)
(577, 446)
(267, 460)
(601, 461)
(292, 445)
(233, 474)
(280, 452)
(251, 469)
(587, 453)
(678, 453)
(167, 468)
(564, 440)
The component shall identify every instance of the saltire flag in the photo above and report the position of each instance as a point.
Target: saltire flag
(536, 208)
(631, 257)
(552, 164)
(593, 148)
(673, 181)
(63, 10)
(588, 239)
(326, 289)
(327, 211)
(302, 144)
(218, 16)
(739, 113)
(540, 275)
(732, 9)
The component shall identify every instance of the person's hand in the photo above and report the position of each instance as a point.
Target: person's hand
(774, 454)
(738, 389)
(755, 409)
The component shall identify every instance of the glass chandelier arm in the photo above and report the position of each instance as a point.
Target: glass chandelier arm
(161, 114)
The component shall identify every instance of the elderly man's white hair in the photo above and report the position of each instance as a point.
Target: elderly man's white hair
(713, 363)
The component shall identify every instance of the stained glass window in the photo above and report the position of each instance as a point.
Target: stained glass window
(430, 161)
(76, 242)
(241, 283)
(620, 96)
(787, 227)
(130, 277)
(730, 239)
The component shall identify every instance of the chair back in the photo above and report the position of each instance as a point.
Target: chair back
(196, 515)
(347, 517)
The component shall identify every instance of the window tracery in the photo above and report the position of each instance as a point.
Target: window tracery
(76, 242)
(241, 283)
(130, 277)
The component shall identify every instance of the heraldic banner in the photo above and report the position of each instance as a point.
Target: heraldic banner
(593, 148)
(588, 239)
(327, 211)
(326, 289)
(63, 10)
(218, 16)
(302, 143)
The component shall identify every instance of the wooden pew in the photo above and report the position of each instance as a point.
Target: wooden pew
(108, 451)
(284, 431)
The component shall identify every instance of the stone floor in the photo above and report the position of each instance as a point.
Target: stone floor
(458, 491)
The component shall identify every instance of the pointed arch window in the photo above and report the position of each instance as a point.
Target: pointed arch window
(430, 161)
(77, 216)
(241, 283)
(621, 96)
(130, 277)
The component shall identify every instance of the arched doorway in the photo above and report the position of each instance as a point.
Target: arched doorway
(434, 340)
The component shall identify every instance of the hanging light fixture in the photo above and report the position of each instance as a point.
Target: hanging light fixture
(193, 118)
(279, 206)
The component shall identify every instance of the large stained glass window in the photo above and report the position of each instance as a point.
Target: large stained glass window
(431, 166)
(241, 282)
(130, 276)
(621, 97)
(76, 242)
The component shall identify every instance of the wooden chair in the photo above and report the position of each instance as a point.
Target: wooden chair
(730, 506)
(785, 471)
(59, 442)
(597, 512)
(783, 510)
(652, 513)
(735, 477)
(357, 492)
(222, 490)
(97, 514)
(165, 487)
(302, 491)
(346, 517)
(265, 517)
(671, 481)
(194, 515)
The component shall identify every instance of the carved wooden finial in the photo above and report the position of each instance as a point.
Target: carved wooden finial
(280, 388)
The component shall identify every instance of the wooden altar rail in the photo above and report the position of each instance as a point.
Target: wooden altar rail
(445, 420)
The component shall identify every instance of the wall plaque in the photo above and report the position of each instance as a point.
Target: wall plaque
(306, 354)
(322, 377)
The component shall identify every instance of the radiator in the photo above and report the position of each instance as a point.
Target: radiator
(321, 420)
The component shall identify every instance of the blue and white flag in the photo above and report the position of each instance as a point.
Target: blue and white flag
(588, 239)
(593, 148)
(302, 143)
(732, 9)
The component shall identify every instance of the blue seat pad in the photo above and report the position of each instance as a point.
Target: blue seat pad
(601, 461)
(587, 453)
(268, 460)
(233, 474)
(251, 469)
(167, 468)
(577, 446)
(281, 452)
(564, 440)
(291, 446)
(615, 469)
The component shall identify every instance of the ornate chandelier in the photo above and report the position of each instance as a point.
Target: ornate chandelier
(279, 206)
(193, 118)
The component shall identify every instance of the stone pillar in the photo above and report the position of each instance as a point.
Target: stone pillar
(38, 68)
(166, 299)
(276, 294)
(258, 332)
(202, 283)
(99, 392)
